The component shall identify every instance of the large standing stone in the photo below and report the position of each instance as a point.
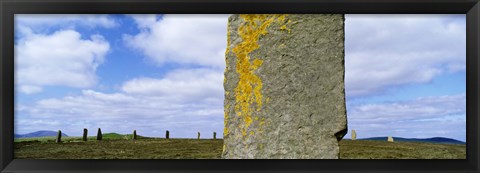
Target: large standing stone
(284, 86)
(354, 135)
(390, 139)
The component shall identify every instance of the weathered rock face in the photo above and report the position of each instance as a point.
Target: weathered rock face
(354, 135)
(284, 86)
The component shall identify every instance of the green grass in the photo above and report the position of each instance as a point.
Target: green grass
(365, 149)
(106, 136)
(122, 149)
(115, 146)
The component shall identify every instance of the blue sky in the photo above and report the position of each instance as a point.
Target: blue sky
(405, 74)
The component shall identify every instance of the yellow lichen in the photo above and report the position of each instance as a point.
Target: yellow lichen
(225, 131)
(281, 18)
(248, 91)
(248, 120)
(244, 132)
(262, 121)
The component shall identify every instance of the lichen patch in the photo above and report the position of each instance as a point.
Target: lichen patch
(248, 93)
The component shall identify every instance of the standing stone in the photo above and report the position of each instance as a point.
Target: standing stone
(198, 135)
(167, 135)
(390, 139)
(214, 135)
(134, 134)
(284, 86)
(85, 134)
(99, 134)
(354, 135)
(59, 137)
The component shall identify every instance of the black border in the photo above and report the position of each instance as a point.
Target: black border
(10, 7)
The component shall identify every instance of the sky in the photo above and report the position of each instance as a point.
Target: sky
(404, 74)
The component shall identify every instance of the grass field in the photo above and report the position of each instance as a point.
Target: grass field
(117, 147)
(364, 149)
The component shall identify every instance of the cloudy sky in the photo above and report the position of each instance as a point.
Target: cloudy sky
(405, 74)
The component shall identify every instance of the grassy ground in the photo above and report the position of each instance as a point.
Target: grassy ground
(363, 149)
(106, 136)
(154, 148)
(122, 149)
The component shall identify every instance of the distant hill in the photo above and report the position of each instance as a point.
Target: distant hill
(41, 133)
(438, 140)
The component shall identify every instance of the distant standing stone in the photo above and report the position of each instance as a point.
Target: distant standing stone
(85, 134)
(59, 137)
(390, 139)
(198, 135)
(134, 134)
(214, 135)
(167, 135)
(99, 134)
(354, 135)
(284, 86)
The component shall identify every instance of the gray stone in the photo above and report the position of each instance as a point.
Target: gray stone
(59, 137)
(85, 135)
(390, 139)
(99, 134)
(354, 135)
(198, 135)
(284, 86)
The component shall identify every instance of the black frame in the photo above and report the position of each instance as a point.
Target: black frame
(10, 7)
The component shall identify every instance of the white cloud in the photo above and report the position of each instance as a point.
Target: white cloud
(64, 20)
(181, 84)
(144, 21)
(442, 116)
(148, 105)
(384, 51)
(181, 38)
(60, 59)
(30, 89)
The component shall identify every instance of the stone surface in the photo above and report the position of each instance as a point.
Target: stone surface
(284, 86)
(354, 135)
(59, 137)
(99, 134)
(390, 139)
(85, 135)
